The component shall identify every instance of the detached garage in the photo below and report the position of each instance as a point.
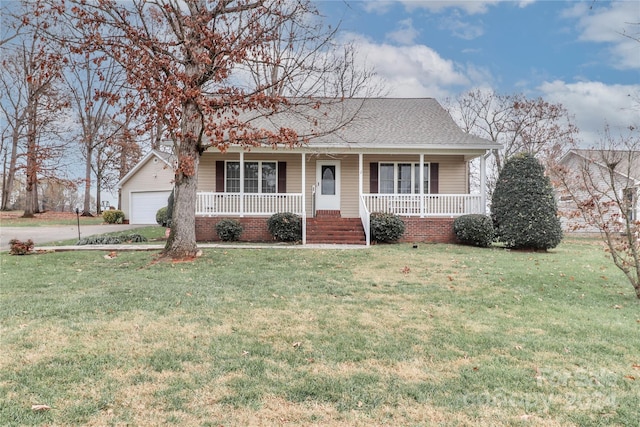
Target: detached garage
(146, 188)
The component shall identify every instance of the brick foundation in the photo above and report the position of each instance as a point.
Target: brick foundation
(432, 230)
(254, 229)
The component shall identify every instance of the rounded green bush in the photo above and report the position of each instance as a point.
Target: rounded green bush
(474, 229)
(386, 227)
(285, 227)
(523, 206)
(162, 217)
(113, 216)
(229, 230)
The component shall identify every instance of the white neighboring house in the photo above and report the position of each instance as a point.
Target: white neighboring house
(622, 184)
(146, 187)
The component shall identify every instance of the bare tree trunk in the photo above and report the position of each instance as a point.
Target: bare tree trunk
(182, 239)
(98, 190)
(156, 136)
(31, 197)
(13, 159)
(86, 205)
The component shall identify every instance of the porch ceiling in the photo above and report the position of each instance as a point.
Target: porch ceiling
(354, 149)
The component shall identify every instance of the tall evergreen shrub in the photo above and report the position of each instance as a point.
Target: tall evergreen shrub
(523, 206)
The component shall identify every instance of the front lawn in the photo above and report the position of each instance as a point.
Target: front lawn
(439, 335)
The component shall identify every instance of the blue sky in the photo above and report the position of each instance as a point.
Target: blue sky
(570, 52)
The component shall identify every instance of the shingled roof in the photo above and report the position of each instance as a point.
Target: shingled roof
(627, 162)
(389, 123)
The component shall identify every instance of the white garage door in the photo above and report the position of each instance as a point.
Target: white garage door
(144, 206)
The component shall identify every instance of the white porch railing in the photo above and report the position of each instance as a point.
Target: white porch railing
(219, 204)
(425, 205)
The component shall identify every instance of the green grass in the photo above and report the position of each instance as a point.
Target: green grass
(439, 335)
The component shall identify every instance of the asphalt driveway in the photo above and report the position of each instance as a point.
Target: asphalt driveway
(41, 235)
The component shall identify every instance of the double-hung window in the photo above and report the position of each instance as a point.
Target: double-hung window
(259, 177)
(402, 178)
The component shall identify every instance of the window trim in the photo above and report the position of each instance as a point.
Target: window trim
(414, 169)
(260, 181)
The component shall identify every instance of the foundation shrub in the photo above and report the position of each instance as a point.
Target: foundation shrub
(474, 229)
(162, 217)
(285, 227)
(386, 227)
(229, 230)
(113, 216)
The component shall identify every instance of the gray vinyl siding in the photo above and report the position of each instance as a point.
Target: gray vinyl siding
(207, 172)
(452, 170)
(207, 169)
(349, 198)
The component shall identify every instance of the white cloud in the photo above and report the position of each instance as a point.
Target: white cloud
(469, 7)
(406, 34)
(609, 25)
(459, 28)
(379, 7)
(595, 104)
(524, 3)
(416, 70)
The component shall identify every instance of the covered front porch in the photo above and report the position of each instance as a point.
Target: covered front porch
(342, 179)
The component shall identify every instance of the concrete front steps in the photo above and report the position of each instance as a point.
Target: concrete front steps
(330, 227)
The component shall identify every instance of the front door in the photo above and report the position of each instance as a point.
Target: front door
(328, 185)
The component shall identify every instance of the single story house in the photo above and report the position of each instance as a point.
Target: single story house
(623, 185)
(404, 156)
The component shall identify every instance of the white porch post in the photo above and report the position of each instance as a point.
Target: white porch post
(360, 175)
(421, 166)
(362, 211)
(483, 183)
(304, 199)
(241, 183)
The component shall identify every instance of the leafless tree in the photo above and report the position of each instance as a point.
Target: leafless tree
(306, 61)
(88, 76)
(32, 102)
(10, 28)
(600, 189)
(115, 159)
(13, 89)
(520, 124)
